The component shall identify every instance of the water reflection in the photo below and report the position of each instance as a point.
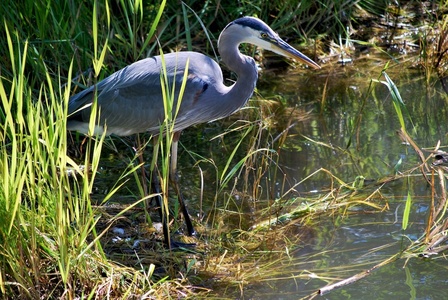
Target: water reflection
(352, 132)
(359, 121)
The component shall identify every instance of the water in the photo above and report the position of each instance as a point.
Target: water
(353, 133)
(351, 147)
(369, 147)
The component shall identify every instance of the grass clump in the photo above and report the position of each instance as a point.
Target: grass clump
(53, 241)
(50, 247)
(45, 224)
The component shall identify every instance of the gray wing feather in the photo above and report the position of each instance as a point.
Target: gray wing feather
(130, 100)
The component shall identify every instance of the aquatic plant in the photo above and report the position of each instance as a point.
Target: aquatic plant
(56, 229)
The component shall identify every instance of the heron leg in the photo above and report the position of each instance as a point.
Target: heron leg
(156, 188)
(175, 182)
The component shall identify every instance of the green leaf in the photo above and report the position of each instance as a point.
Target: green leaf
(406, 212)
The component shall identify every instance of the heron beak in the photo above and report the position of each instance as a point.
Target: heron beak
(281, 47)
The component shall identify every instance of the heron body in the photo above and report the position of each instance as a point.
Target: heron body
(130, 100)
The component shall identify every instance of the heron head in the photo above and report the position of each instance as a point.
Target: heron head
(254, 31)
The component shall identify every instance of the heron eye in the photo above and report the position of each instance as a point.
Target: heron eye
(264, 35)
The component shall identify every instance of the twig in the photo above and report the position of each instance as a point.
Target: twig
(423, 167)
(356, 277)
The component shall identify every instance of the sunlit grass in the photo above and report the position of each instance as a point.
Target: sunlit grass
(55, 243)
(50, 243)
(47, 218)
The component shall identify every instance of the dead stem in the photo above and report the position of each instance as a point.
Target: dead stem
(354, 278)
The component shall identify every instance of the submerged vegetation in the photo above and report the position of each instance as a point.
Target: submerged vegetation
(68, 232)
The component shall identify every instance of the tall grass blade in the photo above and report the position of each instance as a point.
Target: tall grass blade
(407, 211)
(224, 176)
(154, 25)
(397, 101)
(204, 28)
(187, 29)
(98, 59)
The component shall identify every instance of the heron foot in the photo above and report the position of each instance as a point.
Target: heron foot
(175, 245)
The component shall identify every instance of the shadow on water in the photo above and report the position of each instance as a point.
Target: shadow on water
(342, 122)
(360, 122)
(355, 134)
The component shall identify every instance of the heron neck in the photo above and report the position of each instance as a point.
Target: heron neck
(245, 69)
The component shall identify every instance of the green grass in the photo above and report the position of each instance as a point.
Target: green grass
(40, 202)
(52, 236)
(50, 246)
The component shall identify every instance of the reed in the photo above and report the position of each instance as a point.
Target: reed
(52, 237)
(50, 243)
(48, 224)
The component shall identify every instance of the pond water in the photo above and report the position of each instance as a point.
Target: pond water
(352, 133)
(350, 147)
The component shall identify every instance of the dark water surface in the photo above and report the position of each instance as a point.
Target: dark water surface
(352, 133)
(359, 119)
(347, 246)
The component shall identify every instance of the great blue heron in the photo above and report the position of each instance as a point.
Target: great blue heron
(130, 100)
